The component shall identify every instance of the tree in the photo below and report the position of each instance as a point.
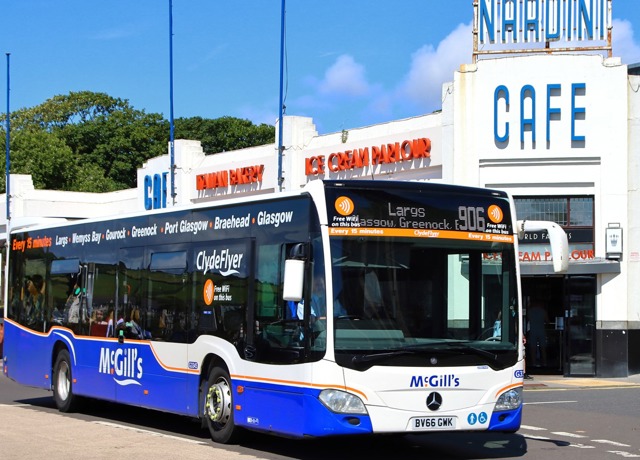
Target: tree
(43, 155)
(63, 110)
(224, 134)
(119, 143)
(93, 142)
(109, 139)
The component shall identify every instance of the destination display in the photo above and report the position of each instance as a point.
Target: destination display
(432, 213)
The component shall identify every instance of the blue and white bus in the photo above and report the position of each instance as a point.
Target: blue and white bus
(343, 308)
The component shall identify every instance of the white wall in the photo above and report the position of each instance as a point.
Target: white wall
(631, 238)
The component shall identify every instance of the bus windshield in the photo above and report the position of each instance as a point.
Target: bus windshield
(455, 301)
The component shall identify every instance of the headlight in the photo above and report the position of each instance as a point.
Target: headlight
(510, 400)
(342, 402)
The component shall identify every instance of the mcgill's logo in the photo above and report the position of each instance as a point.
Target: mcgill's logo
(123, 363)
(435, 381)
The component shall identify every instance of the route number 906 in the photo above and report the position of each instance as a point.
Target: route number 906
(471, 219)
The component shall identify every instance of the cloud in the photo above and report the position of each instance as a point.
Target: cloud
(345, 78)
(623, 44)
(431, 67)
(345, 95)
(345, 90)
(342, 91)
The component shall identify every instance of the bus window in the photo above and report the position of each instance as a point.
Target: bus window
(101, 300)
(33, 302)
(267, 281)
(63, 277)
(168, 297)
(129, 288)
(286, 330)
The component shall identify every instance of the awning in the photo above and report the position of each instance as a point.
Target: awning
(591, 267)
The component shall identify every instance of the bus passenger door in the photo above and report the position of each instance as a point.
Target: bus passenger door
(153, 305)
(71, 312)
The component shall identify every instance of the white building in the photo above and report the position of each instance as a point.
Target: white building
(560, 132)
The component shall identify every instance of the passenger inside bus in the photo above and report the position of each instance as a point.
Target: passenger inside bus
(34, 300)
(73, 309)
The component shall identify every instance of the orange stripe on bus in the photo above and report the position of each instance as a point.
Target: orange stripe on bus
(420, 233)
(300, 384)
(508, 387)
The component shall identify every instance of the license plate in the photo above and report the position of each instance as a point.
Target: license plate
(432, 423)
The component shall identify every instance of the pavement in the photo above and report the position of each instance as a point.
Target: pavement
(544, 382)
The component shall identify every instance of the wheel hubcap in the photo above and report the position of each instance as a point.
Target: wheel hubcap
(218, 402)
(63, 384)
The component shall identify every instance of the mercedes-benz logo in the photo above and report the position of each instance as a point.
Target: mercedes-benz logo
(434, 401)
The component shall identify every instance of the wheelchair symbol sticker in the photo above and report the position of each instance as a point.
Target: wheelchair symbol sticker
(480, 418)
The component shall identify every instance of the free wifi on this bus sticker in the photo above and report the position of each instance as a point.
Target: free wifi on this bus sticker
(208, 292)
(495, 214)
(344, 205)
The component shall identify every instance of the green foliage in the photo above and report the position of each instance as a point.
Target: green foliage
(92, 142)
(119, 143)
(224, 134)
(91, 178)
(44, 156)
(74, 108)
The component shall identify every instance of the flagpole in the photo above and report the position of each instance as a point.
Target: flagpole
(171, 126)
(7, 238)
(8, 159)
(281, 107)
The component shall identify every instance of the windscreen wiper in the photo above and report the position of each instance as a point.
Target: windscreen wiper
(442, 347)
(375, 357)
(465, 348)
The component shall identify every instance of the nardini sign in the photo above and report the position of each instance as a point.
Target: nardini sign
(541, 26)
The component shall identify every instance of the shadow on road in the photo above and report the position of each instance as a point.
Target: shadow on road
(441, 446)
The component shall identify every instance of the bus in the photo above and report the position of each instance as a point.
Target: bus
(343, 308)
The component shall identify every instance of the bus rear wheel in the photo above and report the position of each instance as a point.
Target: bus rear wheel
(63, 395)
(218, 407)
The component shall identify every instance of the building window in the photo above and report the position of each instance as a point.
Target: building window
(581, 212)
(567, 212)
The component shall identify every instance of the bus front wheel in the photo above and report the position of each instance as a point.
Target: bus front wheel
(63, 395)
(218, 407)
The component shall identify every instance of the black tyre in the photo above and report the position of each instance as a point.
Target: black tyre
(63, 395)
(218, 407)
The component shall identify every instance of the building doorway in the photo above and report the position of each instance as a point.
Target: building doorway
(543, 303)
(559, 323)
(581, 326)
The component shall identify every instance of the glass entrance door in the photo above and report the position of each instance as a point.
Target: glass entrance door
(580, 326)
(544, 307)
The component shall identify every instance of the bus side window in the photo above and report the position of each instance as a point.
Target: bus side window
(34, 302)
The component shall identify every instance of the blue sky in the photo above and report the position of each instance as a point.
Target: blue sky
(349, 63)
